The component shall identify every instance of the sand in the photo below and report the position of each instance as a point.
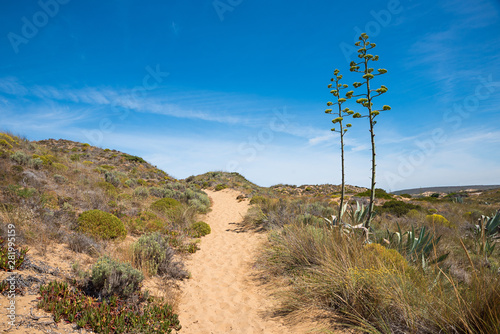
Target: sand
(224, 294)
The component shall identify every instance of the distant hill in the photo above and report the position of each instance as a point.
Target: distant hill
(444, 189)
(315, 190)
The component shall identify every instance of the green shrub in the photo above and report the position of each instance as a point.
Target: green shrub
(153, 254)
(111, 177)
(59, 166)
(133, 158)
(391, 258)
(60, 179)
(195, 198)
(142, 192)
(36, 163)
(159, 192)
(439, 220)
(20, 158)
(125, 197)
(108, 188)
(23, 192)
(5, 154)
(5, 144)
(200, 229)
(428, 199)
(220, 187)
(191, 248)
(198, 205)
(146, 222)
(397, 208)
(47, 159)
(406, 195)
(379, 193)
(18, 168)
(110, 277)
(413, 214)
(9, 139)
(309, 219)
(257, 199)
(165, 205)
(101, 225)
(130, 183)
(74, 157)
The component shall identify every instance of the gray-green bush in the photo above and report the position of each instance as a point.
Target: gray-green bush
(110, 277)
(153, 254)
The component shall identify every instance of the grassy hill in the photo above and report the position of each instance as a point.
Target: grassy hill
(108, 219)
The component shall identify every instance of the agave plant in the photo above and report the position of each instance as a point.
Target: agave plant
(359, 216)
(334, 220)
(486, 232)
(415, 246)
(354, 218)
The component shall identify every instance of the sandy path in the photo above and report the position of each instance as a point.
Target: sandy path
(223, 296)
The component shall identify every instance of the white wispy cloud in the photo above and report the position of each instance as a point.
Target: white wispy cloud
(224, 108)
(12, 86)
(50, 118)
(123, 98)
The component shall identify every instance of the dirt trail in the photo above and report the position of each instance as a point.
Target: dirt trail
(223, 295)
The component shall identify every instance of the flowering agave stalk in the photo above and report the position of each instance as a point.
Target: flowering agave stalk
(365, 99)
(336, 86)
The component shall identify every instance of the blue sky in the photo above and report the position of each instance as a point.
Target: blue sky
(239, 85)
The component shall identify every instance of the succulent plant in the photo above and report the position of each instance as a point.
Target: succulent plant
(486, 232)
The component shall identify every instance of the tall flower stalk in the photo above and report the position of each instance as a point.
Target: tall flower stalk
(337, 87)
(365, 99)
